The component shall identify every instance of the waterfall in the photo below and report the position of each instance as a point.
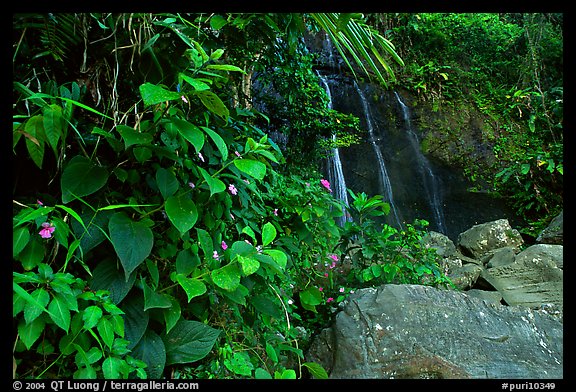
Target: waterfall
(335, 173)
(429, 180)
(386, 186)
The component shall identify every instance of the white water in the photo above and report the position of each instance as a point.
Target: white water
(431, 183)
(335, 172)
(386, 186)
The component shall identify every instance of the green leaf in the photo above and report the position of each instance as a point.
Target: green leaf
(152, 299)
(34, 129)
(316, 370)
(29, 333)
(91, 315)
(249, 265)
(268, 233)
(132, 136)
(20, 238)
(132, 241)
(261, 374)
(60, 312)
(206, 243)
(35, 309)
(215, 184)
(135, 318)
(107, 276)
(53, 125)
(525, 168)
(278, 256)
(310, 297)
(251, 167)
(226, 67)
(106, 330)
(192, 286)
(190, 132)
(287, 374)
(227, 277)
(264, 304)
(198, 85)
(214, 104)
(112, 367)
(32, 254)
(189, 341)
(182, 212)
(151, 350)
(167, 182)
(186, 262)
(218, 141)
(172, 314)
(81, 177)
(153, 94)
(239, 364)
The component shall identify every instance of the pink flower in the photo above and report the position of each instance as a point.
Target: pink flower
(330, 299)
(201, 156)
(320, 288)
(326, 274)
(224, 245)
(39, 203)
(276, 211)
(334, 257)
(233, 189)
(237, 154)
(184, 99)
(326, 184)
(341, 289)
(47, 230)
(191, 185)
(215, 255)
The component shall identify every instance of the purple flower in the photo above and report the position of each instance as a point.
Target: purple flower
(233, 189)
(276, 211)
(47, 230)
(201, 156)
(326, 184)
(224, 245)
(215, 255)
(330, 299)
(334, 257)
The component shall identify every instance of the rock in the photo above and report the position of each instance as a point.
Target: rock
(443, 244)
(465, 277)
(500, 257)
(554, 233)
(533, 279)
(481, 239)
(414, 331)
(493, 297)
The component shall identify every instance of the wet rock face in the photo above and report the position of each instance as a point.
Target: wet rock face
(414, 331)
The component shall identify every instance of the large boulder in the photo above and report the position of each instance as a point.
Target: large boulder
(554, 233)
(414, 331)
(480, 239)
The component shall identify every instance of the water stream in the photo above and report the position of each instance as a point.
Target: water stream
(432, 185)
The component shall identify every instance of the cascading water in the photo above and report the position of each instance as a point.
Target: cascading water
(431, 183)
(386, 186)
(335, 173)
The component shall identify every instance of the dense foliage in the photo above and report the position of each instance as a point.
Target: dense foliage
(157, 229)
(510, 67)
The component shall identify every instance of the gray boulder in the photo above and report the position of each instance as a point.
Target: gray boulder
(414, 331)
(554, 233)
(480, 239)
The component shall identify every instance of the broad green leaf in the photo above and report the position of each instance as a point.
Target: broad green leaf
(310, 297)
(249, 265)
(132, 136)
(279, 257)
(20, 238)
(81, 177)
(192, 286)
(206, 243)
(251, 167)
(107, 276)
(87, 358)
(112, 367)
(53, 125)
(32, 254)
(186, 262)
(271, 351)
(35, 139)
(227, 277)
(525, 168)
(264, 304)
(215, 184)
(172, 314)
(218, 141)
(105, 328)
(261, 374)
(268, 233)
(182, 212)
(317, 371)
(287, 374)
(190, 132)
(198, 85)
(153, 94)
(27, 297)
(214, 104)
(30, 214)
(60, 312)
(217, 22)
(91, 315)
(167, 182)
(152, 299)
(151, 350)
(132, 241)
(29, 333)
(189, 341)
(225, 67)
(239, 364)
(135, 318)
(35, 309)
